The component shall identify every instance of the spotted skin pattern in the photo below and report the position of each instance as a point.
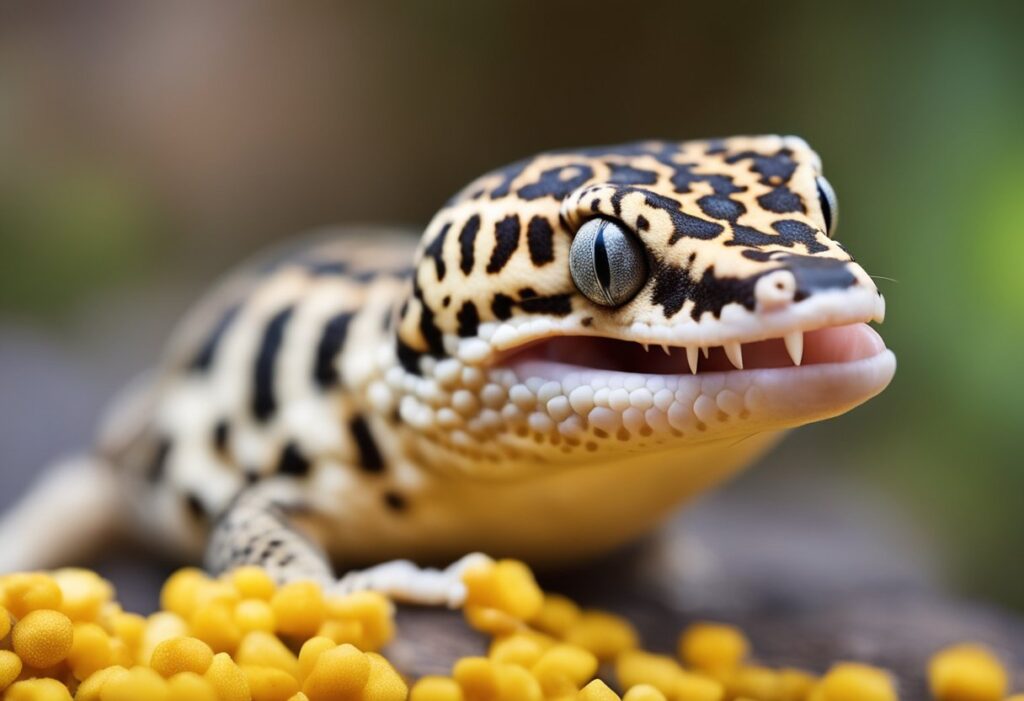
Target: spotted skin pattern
(359, 384)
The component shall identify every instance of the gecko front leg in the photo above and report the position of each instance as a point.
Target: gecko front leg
(257, 530)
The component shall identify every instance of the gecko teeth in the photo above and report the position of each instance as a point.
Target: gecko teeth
(795, 346)
(691, 358)
(734, 351)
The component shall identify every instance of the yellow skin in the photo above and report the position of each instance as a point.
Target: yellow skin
(497, 396)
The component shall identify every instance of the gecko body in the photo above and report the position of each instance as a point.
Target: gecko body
(578, 343)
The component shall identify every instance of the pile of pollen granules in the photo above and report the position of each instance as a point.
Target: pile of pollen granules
(242, 638)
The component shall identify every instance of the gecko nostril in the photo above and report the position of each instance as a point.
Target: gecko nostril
(775, 290)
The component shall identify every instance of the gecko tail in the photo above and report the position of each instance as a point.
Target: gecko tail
(70, 511)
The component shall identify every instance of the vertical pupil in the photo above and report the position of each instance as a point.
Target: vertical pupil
(601, 267)
(826, 208)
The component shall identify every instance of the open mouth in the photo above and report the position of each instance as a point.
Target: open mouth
(836, 344)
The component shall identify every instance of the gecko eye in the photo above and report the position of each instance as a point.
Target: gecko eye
(607, 263)
(829, 204)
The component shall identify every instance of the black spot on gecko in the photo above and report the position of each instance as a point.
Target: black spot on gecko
(775, 169)
(539, 235)
(788, 233)
(332, 338)
(506, 233)
(293, 462)
(721, 207)
(502, 305)
(469, 320)
(673, 287)
(264, 401)
(195, 507)
(781, 200)
(221, 434)
(467, 237)
(327, 267)
(446, 301)
(641, 223)
(436, 251)
(204, 358)
(395, 501)
(557, 182)
(558, 305)
(157, 467)
(683, 225)
(408, 356)
(628, 175)
(370, 459)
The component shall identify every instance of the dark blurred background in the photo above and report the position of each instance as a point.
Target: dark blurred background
(145, 147)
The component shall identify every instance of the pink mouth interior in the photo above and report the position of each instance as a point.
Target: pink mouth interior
(837, 344)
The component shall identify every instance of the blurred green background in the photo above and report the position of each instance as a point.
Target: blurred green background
(146, 147)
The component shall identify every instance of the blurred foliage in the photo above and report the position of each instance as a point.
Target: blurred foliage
(67, 237)
(234, 124)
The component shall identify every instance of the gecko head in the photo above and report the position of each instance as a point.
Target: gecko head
(584, 304)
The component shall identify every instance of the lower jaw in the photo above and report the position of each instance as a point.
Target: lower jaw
(843, 367)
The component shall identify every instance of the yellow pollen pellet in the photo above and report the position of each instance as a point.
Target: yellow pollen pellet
(374, 612)
(5, 622)
(83, 593)
(266, 650)
(139, 683)
(436, 689)
(160, 626)
(506, 585)
(129, 628)
(299, 608)
(91, 650)
(25, 592)
(339, 672)
(556, 615)
(794, 684)
(697, 687)
(851, 681)
(270, 683)
(92, 687)
(299, 696)
(753, 681)
(644, 692)
(713, 647)
(183, 654)
(253, 583)
(477, 677)
(254, 614)
(575, 663)
(181, 590)
(638, 667)
(384, 683)
(43, 638)
(215, 625)
(597, 690)
(517, 683)
(342, 632)
(310, 652)
(38, 690)
(966, 672)
(10, 668)
(227, 678)
(520, 649)
(189, 686)
(492, 621)
(604, 634)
